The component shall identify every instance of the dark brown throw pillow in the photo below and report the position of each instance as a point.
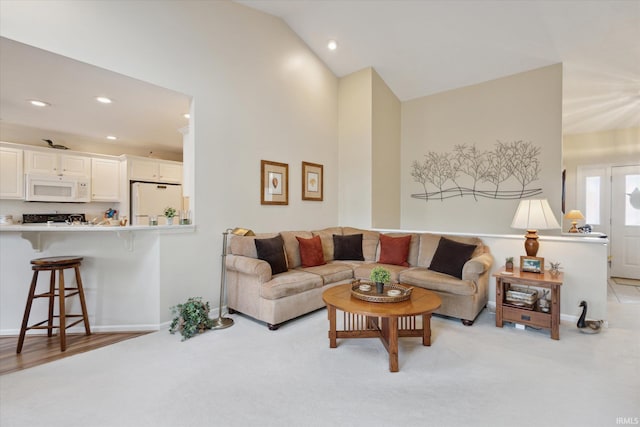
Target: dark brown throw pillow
(450, 257)
(272, 251)
(394, 250)
(311, 253)
(348, 248)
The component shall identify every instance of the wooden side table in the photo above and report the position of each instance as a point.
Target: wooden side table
(535, 318)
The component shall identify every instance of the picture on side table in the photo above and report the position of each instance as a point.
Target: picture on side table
(532, 264)
(274, 183)
(312, 181)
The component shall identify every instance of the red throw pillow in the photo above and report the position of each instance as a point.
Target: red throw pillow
(394, 250)
(311, 251)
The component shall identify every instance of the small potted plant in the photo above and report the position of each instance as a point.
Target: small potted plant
(191, 318)
(169, 213)
(508, 264)
(380, 276)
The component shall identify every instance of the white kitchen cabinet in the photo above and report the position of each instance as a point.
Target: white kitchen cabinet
(48, 163)
(155, 170)
(11, 173)
(105, 180)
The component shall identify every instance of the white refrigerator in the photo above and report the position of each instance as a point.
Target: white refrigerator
(149, 199)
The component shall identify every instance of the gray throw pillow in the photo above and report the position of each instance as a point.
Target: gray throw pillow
(272, 251)
(451, 256)
(348, 247)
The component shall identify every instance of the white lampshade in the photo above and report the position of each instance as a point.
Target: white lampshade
(534, 214)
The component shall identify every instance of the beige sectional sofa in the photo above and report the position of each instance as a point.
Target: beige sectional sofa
(275, 298)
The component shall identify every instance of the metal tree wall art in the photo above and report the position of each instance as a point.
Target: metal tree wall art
(505, 171)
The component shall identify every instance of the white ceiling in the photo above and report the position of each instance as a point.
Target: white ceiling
(422, 47)
(142, 116)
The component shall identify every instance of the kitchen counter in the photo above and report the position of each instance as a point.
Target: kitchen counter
(34, 232)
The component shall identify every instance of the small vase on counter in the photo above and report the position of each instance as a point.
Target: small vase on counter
(169, 220)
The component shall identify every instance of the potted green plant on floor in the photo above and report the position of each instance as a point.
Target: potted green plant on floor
(380, 276)
(191, 318)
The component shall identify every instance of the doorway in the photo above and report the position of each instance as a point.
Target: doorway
(609, 197)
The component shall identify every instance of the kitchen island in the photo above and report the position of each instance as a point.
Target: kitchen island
(122, 271)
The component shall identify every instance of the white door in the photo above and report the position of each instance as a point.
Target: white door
(625, 221)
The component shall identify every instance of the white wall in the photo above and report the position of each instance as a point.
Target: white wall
(258, 93)
(525, 106)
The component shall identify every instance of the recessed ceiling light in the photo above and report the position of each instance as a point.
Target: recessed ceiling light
(111, 137)
(332, 45)
(103, 99)
(38, 103)
(187, 115)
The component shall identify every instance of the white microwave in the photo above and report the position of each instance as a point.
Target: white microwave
(53, 188)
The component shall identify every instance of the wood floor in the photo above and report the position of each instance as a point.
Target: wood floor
(39, 349)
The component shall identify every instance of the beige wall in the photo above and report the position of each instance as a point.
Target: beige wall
(354, 140)
(386, 155)
(258, 93)
(525, 106)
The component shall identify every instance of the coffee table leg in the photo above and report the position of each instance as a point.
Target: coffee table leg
(393, 344)
(332, 326)
(426, 329)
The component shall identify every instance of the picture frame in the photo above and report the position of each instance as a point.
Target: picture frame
(274, 183)
(312, 181)
(532, 264)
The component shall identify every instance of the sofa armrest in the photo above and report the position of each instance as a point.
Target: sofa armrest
(475, 267)
(250, 266)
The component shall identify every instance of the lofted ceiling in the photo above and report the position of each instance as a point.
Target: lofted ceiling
(422, 47)
(143, 117)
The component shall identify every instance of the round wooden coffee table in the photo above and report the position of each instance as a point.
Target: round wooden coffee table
(384, 320)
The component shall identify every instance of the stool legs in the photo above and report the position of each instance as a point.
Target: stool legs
(27, 310)
(62, 296)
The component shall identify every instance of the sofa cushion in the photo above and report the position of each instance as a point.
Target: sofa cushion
(348, 247)
(429, 243)
(311, 251)
(292, 248)
(290, 283)
(394, 250)
(326, 236)
(332, 272)
(370, 241)
(272, 251)
(435, 281)
(450, 257)
(245, 245)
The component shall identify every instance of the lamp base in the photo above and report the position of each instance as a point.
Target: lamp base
(222, 322)
(531, 244)
(573, 228)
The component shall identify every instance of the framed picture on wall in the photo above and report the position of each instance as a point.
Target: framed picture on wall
(312, 178)
(532, 264)
(274, 183)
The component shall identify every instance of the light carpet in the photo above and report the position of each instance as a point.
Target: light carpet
(249, 376)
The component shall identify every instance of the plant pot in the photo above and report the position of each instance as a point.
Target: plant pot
(170, 221)
(379, 287)
(508, 266)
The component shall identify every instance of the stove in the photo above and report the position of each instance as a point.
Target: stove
(57, 217)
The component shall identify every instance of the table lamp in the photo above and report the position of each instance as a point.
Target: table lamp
(225, 322)
(534, 215)
(574, 215)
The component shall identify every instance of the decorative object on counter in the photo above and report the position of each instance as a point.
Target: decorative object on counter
(533, 215)
(169, 213)
(380, 276)
(225, 322)
(555, 268)
(508, 263)
(123, 221)
(312, 178)
(56, 146)
(532, 264)
(588, 326)
(6, 219)
(185, 217)
(153, 220)
(111, 214)
(574, 215)
(191, 318)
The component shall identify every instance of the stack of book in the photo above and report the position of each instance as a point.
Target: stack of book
(522, 297)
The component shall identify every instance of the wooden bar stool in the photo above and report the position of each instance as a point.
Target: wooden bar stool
(53, 264)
